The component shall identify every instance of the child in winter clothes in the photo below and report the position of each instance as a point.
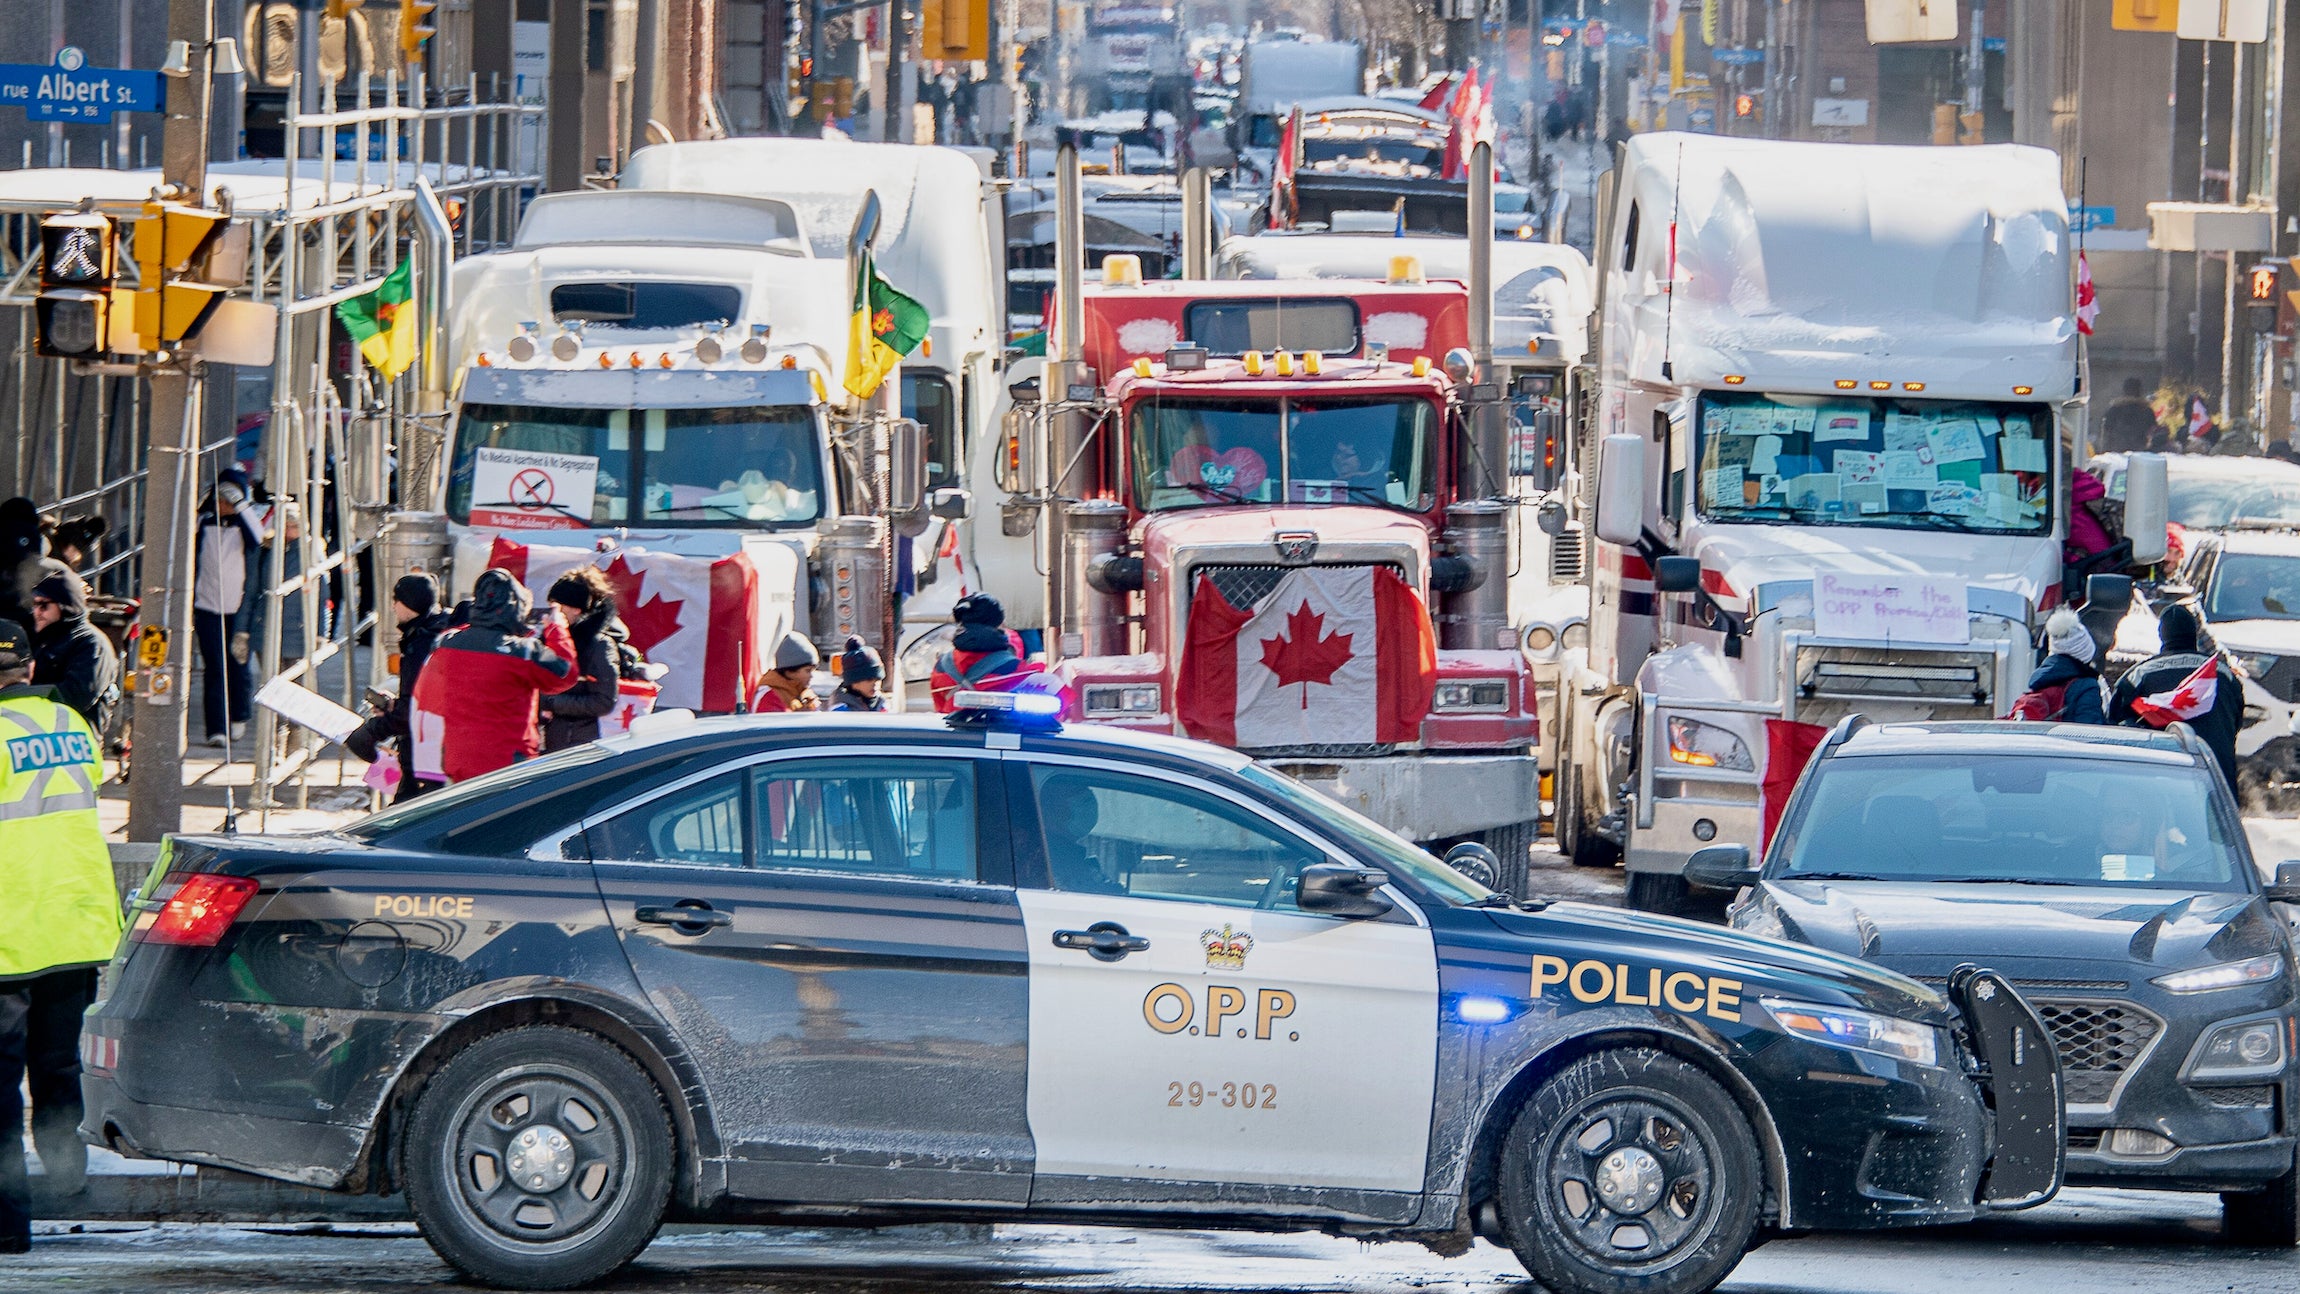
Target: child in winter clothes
(2065, 688)
(860, 673)
(783, 688)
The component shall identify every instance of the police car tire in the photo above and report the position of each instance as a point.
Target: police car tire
(2268, 1219)
(630, 1133)
(1705, 1132)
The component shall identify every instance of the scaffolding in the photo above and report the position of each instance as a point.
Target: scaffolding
(341, 446)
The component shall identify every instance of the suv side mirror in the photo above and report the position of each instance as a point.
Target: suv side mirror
(1677, 574)
(1721, 867)
(2286, 887)
(2147, 506)
(1343, 890)
(1621, 490)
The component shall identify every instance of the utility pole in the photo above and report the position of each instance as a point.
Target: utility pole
(156, 794)
(897, 128)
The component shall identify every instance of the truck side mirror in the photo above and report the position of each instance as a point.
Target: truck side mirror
(1621, 490)
(2108, 593)
(2147, 506)
(1677, 574)
(906, 465)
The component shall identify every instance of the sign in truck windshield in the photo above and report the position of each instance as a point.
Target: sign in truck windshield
(1855, 461)
(540, 468)
(1199, 453)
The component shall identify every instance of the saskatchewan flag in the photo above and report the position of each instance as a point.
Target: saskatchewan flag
(887, 326)
(383, 323)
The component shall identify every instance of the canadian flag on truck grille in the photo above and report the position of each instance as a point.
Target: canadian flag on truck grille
(1334, 655)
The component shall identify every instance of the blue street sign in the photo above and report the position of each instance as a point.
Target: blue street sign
(1992, 44)
(1739, 57)
(2087, 219)
(1625, 40)
(69, 90)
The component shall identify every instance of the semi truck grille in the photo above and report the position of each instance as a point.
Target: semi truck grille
(2099, 1043)
(1244, 587)
(1943, 679)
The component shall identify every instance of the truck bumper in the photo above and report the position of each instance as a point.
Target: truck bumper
(1731, 811)
(1428, 797)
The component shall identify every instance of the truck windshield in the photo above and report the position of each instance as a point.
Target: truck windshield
(1374, 152)
(1195, 453)
(1854, 461)
(544, 468)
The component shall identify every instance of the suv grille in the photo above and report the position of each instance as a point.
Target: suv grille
(2099, 1043)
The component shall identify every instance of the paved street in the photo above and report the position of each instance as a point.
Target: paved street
(2090, 1240)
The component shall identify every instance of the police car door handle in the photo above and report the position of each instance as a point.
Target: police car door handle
(693, 918)
(1104, 941)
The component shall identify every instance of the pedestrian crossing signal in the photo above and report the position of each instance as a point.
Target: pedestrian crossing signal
(954, 31)
(1744, 105)
(72, 318)
(2263, 283)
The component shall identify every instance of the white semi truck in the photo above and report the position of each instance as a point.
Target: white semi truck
(1835, 390)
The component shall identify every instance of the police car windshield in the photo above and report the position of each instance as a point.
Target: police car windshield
(2012, 818)
(1384, 848)
(506, 783)
(1858, 461)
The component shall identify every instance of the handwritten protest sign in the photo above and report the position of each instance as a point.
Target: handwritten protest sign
(1890, 608)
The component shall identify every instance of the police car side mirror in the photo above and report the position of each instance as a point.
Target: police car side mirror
(1721, 867)
(2286, 887)
(1343, 890)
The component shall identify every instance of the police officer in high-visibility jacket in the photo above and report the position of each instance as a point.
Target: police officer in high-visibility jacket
(61, 921)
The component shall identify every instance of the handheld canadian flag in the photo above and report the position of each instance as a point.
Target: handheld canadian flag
(1333, 654)
(2199, 417)
(2192, 698)
(2087, 299)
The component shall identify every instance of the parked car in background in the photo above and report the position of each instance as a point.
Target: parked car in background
(2214, 492)
(2105, 871)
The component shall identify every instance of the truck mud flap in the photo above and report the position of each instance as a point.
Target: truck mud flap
(2020, 1069)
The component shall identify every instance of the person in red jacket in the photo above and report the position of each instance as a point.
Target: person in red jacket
(985, 656)
(485, 677)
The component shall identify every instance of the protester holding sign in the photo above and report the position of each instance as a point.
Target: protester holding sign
(476, 698)
(415, 604)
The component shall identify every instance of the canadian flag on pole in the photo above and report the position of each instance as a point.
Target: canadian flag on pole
(2193, 697)
(693, 615)
(1335, 655)
(2087, 299)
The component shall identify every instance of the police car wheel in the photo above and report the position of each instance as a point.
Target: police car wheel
(538, 1158)
(2268, 1219)
(1630, 1172)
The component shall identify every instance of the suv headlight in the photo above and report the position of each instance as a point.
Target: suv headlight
(1472, 696)
(2238, 1052)
(1705, 745)
(1840, 1026)
(1120, 700)
(2256, 664)
(2204, 979)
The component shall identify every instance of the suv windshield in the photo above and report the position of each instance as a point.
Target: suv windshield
(1374, 841)
(2254, 586)
(2200, 502)
(2034, 818)
(1857, 461)
(1193, 453)
(542, 468)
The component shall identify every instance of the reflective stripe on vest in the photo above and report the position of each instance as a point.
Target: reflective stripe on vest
(52, 767)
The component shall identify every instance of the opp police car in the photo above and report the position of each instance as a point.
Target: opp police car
(876, 969)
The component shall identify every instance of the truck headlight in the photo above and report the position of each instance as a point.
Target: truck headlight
(1472, 696)
(1121, 700)
(1840, 1026)
(1705, 745)
(2204, 979)
(2237, 1052)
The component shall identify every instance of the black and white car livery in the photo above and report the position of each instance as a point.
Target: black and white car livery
(856, 969)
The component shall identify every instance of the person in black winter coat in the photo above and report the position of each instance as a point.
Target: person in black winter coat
(861, 675)
(2071, 666)
(22, 549)
(2151, 695)
(71, 655)
(415, 603)
(572, 717)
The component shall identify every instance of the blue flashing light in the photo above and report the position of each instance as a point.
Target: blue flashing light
(1032, 709)
(1479, 1009)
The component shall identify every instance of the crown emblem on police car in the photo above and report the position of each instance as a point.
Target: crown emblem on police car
(1226, 948)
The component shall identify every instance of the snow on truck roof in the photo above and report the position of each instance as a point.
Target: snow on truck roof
(680, 219)
(1798, 264)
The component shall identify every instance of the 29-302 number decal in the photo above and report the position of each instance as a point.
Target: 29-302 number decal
(1253, 1096)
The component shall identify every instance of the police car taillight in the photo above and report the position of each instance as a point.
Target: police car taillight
(198, 911)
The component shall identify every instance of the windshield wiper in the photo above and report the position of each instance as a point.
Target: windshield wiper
(1827, 876)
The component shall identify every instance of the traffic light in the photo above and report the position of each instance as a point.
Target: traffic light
(340, 9)
(173, 249)
(2145, 15)
(414, 28)
(78, 260)
(1744, 105)
(2261, 296)
(954, 31)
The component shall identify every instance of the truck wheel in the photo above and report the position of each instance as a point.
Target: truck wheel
(1630, 1172)
(538, 1158)
(2268, 1219)
(1661, 892)
(1513, 845)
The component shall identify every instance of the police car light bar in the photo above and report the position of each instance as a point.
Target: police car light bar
(1037, 705)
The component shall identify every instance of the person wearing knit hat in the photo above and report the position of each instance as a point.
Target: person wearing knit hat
(2065, 686)
(984, 654)
(860, 673)
(2173, 686)
(415, 609)
(783, 688)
